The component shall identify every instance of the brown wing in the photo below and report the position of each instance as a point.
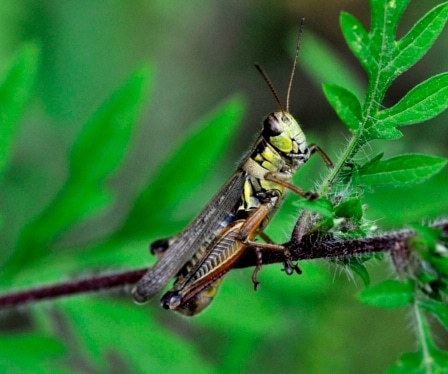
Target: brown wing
(189, 241)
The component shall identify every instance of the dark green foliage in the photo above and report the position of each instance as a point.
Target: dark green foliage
(220, 125)
(424, 263)
(97, 153)
(15, 91)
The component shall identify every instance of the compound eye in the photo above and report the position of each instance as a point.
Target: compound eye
(272, 127)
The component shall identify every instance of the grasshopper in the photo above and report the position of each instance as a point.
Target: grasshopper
(228, 225)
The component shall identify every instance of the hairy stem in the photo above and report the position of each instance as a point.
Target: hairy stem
(423, 339)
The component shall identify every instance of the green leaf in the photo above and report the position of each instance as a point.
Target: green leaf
(401, 170)
(413, 362)
(385, 18)
(345, 104)
(102, 144)
(357, 39)
(423, 102)
(209, 138)
(322, 206)
(384, 59)
(379, 132)
(374, 49)
(440, 264)
(413, 46)
(15, 92)
(350, 208)
(373, 161)
(439, 362)
(98, 152)
(381, 56)
(361, 271)
(388, 294)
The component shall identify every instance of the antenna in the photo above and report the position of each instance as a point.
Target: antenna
(268, 81)
(271, 87)
(299, 40)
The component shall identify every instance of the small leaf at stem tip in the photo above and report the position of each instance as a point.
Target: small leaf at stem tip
(350, 208)
(321, 206)
(346, 105)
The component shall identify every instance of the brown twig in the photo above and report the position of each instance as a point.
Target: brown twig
(307, 248)
(100, 283)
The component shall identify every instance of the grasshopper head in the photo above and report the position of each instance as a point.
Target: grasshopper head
(283, 132)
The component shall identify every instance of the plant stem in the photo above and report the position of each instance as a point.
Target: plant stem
(307, 249)
(346, 156)
(103, 282)
(427, 360)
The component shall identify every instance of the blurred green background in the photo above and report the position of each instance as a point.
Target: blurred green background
(202, 52)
